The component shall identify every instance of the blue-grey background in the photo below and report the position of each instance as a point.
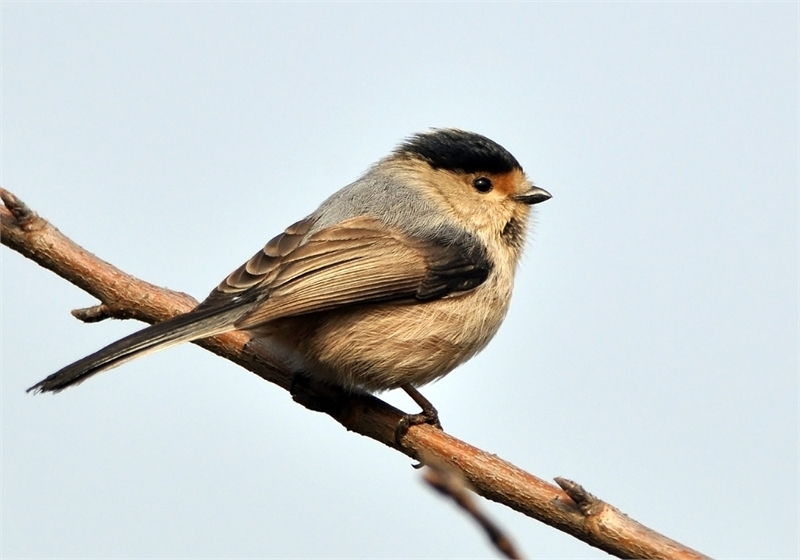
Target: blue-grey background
(651, 351)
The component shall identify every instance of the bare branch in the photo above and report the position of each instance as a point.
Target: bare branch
(123, 295)
(450, 482)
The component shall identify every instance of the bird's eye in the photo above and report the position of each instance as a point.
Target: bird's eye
(482, 184)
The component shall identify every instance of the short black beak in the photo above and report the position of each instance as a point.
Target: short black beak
(534, 196)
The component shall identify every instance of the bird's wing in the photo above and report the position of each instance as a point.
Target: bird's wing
(357, 261)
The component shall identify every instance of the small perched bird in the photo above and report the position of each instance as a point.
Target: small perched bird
(392, 282)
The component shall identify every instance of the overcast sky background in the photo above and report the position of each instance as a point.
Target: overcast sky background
(651, 351)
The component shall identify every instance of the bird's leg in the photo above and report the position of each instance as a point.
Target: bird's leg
(429, 415)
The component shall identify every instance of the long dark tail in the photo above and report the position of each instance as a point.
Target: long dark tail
(199, 323)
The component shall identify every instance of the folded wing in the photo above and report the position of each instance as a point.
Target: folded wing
(356, 262)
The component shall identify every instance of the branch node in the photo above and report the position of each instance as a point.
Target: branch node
(93, 314)
(22, 213)
(103, 311)
(586, 502)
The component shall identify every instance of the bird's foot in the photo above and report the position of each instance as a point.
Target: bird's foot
(429, 415)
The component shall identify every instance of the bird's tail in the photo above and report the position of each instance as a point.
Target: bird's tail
(199, 323)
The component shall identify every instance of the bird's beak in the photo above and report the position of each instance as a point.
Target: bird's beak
(534, 196)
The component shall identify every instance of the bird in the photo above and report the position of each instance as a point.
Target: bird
(394, 281)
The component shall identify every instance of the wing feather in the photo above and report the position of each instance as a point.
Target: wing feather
(363, 273)
(358, 261)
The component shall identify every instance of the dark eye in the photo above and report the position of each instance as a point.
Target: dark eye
(482, 184)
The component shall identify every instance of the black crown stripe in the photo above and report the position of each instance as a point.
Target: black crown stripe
(458, 150)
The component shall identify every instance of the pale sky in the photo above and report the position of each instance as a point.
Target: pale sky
(651, 351)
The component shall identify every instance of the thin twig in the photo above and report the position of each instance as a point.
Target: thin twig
(609, 530)
(450, 482)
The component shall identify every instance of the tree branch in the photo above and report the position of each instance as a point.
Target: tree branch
(450, 482)
(572, 510)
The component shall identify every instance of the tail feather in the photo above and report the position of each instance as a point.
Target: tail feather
(196, 324)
